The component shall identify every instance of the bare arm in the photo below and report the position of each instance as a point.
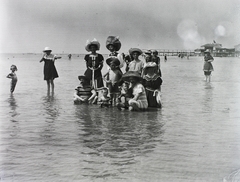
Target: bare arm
(94, 94)
(76, 96)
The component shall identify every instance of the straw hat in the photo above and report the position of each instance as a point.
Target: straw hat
(113, 40)
(113, 60)
(139, 51)
(46, 49)
(93, 42)
(129, 74)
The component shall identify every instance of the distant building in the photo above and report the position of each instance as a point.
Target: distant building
(217, 50)
(237, 50)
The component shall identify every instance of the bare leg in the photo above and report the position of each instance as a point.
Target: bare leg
(52, 84)
(48, 86)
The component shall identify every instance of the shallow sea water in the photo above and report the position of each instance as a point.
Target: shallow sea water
(194, 137)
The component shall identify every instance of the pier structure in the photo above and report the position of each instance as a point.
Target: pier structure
(170, 52)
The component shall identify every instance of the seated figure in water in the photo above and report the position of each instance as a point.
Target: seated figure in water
(84, 93)
(105, 100)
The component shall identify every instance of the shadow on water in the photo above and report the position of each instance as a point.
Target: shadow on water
(115, 139)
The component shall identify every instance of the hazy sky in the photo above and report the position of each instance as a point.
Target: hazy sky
(65, 25)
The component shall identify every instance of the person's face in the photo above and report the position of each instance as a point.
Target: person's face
(132, 80)
(111, 48)
(105, 92)
(113, 66)
(47, 52)
(125, 86)
(13, 68)
(135, 55)
(93, 48)
(148, 58)
(82, 81)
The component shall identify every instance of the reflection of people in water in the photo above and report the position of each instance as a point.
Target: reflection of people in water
(13, 105)
(51, 107)
(130, 132)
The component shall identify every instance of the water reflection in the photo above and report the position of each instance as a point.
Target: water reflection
(14, 128)
(50, 105)
(208, 98)
(116, 138)
(13, 107)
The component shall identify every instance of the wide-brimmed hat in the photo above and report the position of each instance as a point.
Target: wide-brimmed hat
(155, 51)
(148, 52)
(83, 77)
(113, 40)
(150, 65)
(46, 49)
(127, 75)
(113, 60)
(93, 42)
(207, 51)
(132, 50)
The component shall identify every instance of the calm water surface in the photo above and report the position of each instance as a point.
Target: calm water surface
(194, 137)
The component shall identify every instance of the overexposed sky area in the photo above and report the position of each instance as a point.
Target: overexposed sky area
(27, 26)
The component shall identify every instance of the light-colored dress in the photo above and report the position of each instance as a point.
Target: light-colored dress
(136, 66)
(142, 102)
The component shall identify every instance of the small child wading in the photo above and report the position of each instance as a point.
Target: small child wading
(112, 78)
(13, 76)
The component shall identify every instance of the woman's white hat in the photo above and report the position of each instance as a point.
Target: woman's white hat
(47, 49)
(93, 42)
(150, 65)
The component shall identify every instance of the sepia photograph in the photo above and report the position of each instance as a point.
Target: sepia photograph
(119, 91)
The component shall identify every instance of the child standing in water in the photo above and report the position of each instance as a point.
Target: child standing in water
(13, 76)
(50, 71)
(113, 77)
